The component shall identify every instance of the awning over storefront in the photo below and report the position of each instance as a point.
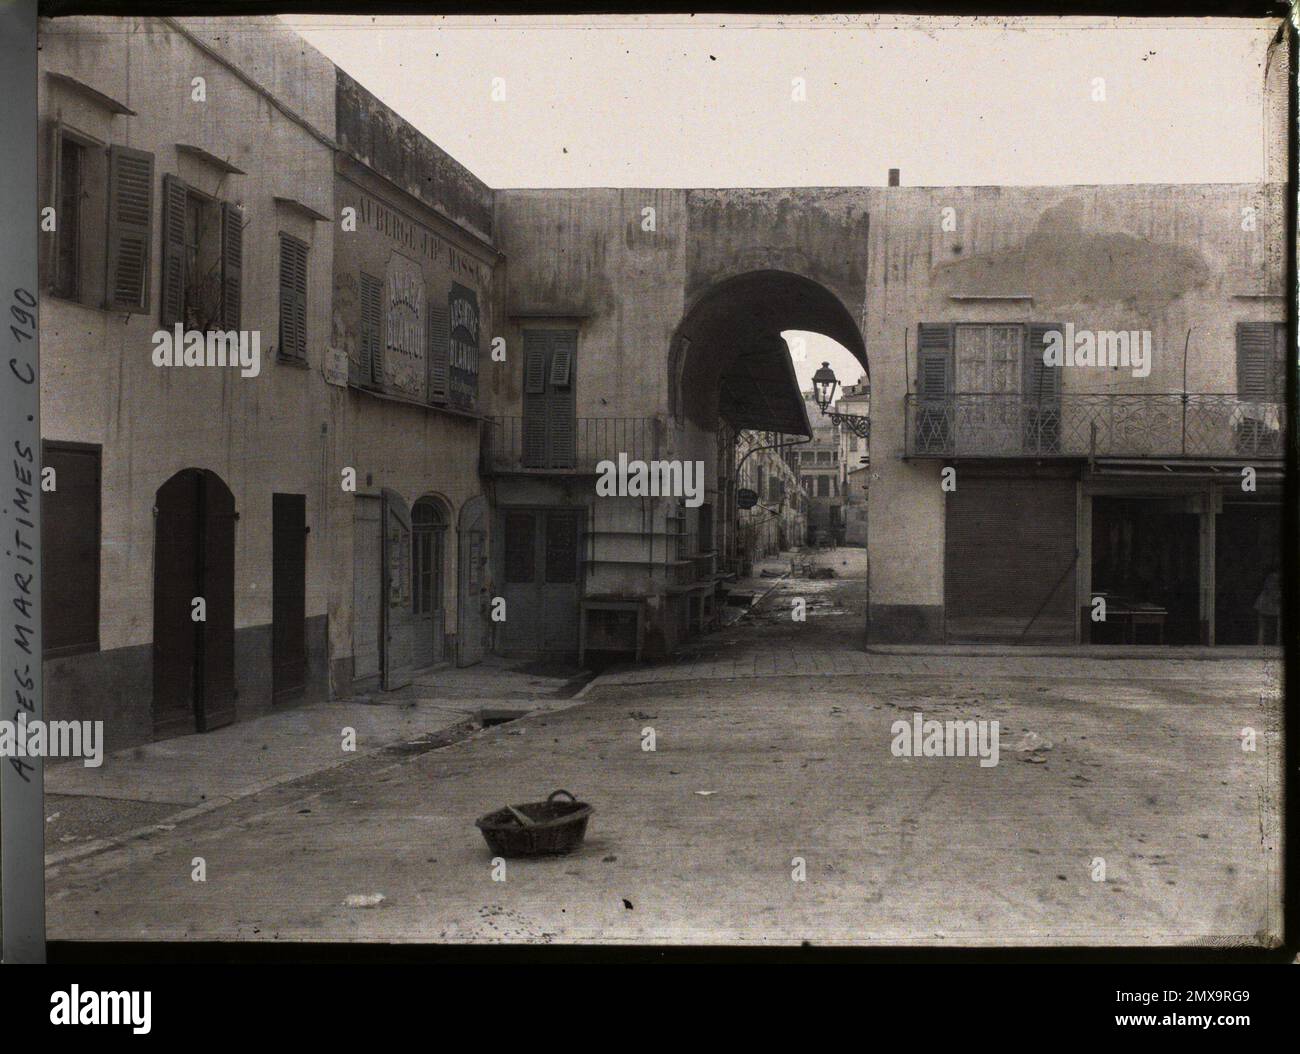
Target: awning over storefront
(1220, 469)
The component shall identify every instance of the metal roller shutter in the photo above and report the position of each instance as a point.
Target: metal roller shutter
(1009, 551)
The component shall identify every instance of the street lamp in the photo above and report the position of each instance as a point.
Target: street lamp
(824, 385)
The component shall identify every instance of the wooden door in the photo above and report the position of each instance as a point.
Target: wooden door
(472, 616)
(399, 623)
(288, 593)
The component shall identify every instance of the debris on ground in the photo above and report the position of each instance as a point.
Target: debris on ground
(364, 900)
(705, 794)
(1033, 742)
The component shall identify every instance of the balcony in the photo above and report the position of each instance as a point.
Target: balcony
(518, 445)
(1166, 425)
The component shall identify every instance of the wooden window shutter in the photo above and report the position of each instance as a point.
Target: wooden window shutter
(1281, 348)
(232, 264)
(293, 297)
(536, 349)
(562, 365)
(439, 350)
(1255, 351)
(561, 424)
(934, 360)
(130, 228)
(174, 204)
(372, 356)
(1042, 383)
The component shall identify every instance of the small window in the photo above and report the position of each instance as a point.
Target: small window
(202, 259)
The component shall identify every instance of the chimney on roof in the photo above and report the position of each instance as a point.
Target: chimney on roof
(893, 177)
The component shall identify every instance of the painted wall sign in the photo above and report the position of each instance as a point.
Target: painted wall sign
(462, 388)
(336, 367)
(404, 337)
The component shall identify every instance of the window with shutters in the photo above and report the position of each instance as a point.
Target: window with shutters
(293, 299)
(371, 366)
(70, 546)
(1261, 361)
(550, 424)
(202, 259)
(98, 253)
(1262, 355)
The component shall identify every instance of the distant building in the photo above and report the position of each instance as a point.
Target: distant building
(855, 462)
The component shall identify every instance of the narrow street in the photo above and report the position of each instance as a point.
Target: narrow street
(771, 809)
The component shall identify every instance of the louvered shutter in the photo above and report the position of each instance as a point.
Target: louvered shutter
(372, 363)
(1042, 383)
(293, 297)
(1255, 357)
(561, 425)
(934, 362)
(536, 346)
(173, 250)
(232, 265)
(130, 228)
(1041, 400)
(439, 351)
(934, 387)
(561, 365)
(1281, 351)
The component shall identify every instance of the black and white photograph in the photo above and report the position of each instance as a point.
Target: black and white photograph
(649, 480)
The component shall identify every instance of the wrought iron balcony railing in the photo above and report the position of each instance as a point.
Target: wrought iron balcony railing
(572, 446)
(1165, 425)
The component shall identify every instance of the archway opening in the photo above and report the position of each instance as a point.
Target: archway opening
(789, 494)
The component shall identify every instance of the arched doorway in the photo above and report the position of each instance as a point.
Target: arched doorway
(194, 558)
(428, 561)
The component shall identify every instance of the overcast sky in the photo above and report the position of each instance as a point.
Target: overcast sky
(679, 101)
(676, 101)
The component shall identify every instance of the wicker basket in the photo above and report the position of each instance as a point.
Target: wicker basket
(540, 828)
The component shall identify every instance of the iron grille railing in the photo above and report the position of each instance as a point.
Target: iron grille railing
(518, 444)
(1095, 425)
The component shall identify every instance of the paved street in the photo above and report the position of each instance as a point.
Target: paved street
(772, 746)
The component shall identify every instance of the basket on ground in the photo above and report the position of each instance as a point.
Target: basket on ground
(539, 828)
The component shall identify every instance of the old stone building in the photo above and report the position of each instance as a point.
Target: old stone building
(189, 172)
(408, 474)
